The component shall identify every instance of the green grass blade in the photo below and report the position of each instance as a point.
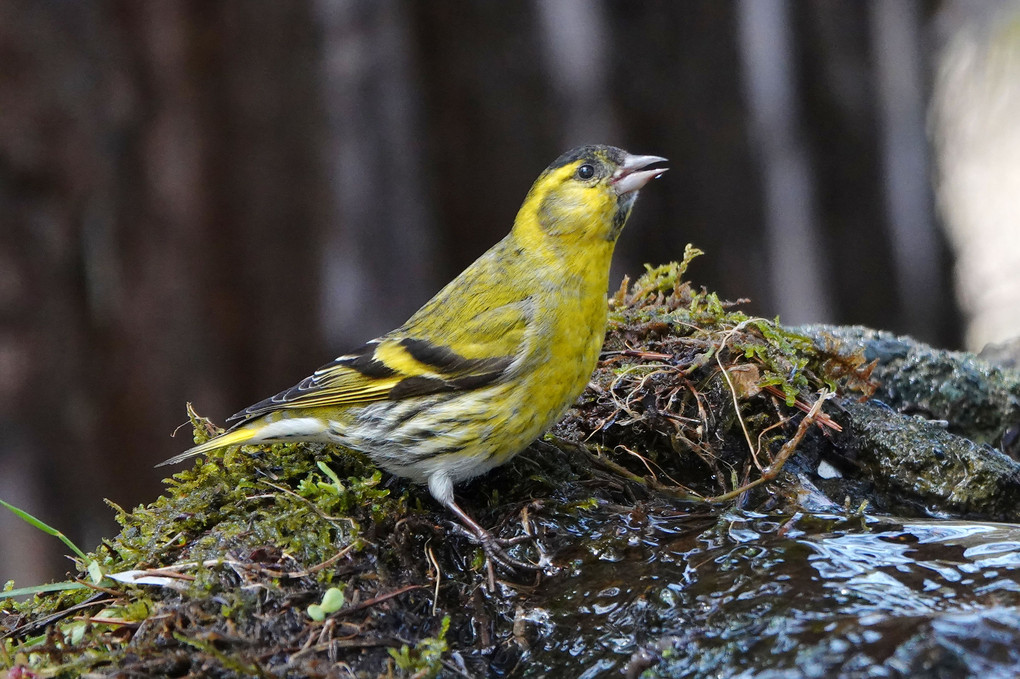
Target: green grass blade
(28, 518)
(41, 589)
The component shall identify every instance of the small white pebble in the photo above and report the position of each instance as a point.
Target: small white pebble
(827, 471)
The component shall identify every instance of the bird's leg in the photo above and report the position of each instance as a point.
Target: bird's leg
(441, 488)
(490, 543)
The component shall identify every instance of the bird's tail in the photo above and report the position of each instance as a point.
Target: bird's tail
(231, 438)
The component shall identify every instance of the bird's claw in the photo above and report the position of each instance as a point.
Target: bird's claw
(494, 548)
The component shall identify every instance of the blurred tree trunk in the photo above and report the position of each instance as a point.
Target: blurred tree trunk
(793, 236)
(481, 68)
(896, 31)
(160, 188)
(856, 118)
(688, 103)
(56, 191)
(384, 260)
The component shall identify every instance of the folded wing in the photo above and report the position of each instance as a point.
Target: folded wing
(406, 363)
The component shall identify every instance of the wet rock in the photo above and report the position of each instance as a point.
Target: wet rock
(919, 466)
(978, 399)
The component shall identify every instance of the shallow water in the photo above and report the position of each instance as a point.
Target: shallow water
(745, 595)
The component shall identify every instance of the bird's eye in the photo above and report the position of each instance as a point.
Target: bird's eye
(586, 171)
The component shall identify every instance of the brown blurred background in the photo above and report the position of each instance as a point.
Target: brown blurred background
(203, 201)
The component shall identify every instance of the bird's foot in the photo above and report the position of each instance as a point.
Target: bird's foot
(495, 548)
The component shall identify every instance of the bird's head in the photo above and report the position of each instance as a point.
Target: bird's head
(586, 195)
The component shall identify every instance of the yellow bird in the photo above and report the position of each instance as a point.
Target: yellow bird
(489, 363)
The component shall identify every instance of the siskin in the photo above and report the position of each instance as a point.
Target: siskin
(490, 362)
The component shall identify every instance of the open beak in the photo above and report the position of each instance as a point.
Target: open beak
(632, 176)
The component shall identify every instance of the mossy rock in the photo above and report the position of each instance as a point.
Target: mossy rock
(654, 469)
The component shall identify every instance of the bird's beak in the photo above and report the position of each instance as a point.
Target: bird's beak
(631, 176)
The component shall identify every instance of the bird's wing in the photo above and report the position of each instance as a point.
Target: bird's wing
(409, 362)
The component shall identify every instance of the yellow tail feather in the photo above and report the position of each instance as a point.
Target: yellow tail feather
(231, 438)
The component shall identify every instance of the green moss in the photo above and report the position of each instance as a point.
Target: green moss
(425, 659)
(252, 524)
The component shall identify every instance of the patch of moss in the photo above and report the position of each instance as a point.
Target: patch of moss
(244, 536)
(424, 660)
(683, 371)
